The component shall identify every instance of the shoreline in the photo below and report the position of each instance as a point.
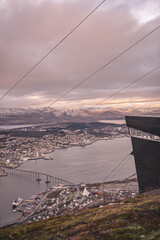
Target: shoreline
(64, 147)
(73, 145)
(49, 155)
(62, 154)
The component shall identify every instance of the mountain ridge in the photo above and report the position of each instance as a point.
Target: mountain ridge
(53, 115)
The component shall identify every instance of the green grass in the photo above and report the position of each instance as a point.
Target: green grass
(136, 219)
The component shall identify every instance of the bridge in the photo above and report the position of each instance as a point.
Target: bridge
(37, 176)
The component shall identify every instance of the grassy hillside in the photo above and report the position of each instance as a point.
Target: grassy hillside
(138, 218)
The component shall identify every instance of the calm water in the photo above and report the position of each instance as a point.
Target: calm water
(8, 127)
(114, 121)
(77, 164)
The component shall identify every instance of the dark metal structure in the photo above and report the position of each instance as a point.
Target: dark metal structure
(145, 136)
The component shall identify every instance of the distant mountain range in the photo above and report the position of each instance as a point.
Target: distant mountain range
(15, 116)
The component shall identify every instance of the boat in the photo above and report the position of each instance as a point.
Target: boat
(17, 202)
(39, 158)
(3, 173)
(48, 158)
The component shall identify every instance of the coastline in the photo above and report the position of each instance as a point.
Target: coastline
(77, 164)
(70, 145)
(47, 156)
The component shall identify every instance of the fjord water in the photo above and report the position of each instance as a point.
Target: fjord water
(87, 164)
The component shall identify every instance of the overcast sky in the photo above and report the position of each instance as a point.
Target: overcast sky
(29, 29)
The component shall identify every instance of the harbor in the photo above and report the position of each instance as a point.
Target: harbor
(64, 199)
(71, 164)
(39, 142)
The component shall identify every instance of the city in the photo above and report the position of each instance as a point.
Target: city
(79, 120)
(63, 199)
(18, 146)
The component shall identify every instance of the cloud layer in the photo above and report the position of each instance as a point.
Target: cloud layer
(28, 30)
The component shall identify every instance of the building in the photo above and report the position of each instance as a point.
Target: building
(145, 136)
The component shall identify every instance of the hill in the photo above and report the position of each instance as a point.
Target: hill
(138, 218)
(53, 115)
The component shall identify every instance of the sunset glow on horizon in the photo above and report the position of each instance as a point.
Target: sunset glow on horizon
(29, 30)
